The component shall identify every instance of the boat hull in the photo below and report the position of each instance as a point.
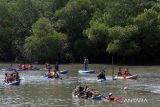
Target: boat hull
(127, 77)
(86, 71)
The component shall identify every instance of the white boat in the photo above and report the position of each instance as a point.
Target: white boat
(101, 80)
(86, 71)
(126, 77)
(13, 83)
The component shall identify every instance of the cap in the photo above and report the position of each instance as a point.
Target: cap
(110, 94)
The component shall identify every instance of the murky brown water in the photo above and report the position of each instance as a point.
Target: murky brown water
(34, 91)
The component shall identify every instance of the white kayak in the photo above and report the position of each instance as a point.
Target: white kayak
(101, 80)
(127, 77)
(13, 83)
(86, 71)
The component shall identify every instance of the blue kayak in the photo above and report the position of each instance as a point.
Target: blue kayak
(86, 71)
(63, 72)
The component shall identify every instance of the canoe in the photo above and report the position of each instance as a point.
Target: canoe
(63, 72)
(127, 77)
(86, 71)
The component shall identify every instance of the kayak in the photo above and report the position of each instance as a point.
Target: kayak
(63, 72)
(86, 71)
(12, 69)
(46, 78)
(101, 80)
(97, 97)
(127, 77)
(12, 83)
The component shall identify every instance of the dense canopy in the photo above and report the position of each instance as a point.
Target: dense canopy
(69, 30)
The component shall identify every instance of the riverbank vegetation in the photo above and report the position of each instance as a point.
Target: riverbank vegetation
(68, 30)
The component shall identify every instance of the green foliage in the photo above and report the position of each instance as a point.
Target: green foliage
(64, 30)
(148, 24)
(82, 46)
(74, 17)
(42, 27)
(98, 32)
(45, 44)
(122, 42)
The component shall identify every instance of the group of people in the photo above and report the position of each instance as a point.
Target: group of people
(10, 77)
(23, 67)
(20, 67)
(54, 73)
(89, 93)
(85, 92)
(123, 73)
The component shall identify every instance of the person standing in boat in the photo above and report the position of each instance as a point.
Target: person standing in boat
(86, 63)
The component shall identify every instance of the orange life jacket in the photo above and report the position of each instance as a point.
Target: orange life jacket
(29, 67)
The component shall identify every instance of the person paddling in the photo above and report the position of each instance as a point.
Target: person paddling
(6, 77)
(86, 63)
(17, 78)
(111, 97)
(30, 67)
(49, 74)
(120, 71)
(101, 75)
(126, 72)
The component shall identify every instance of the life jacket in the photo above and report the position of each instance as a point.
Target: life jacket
(14, 75)
(50, 74)
(23, 67)
(11, 77)
(126, 73)
(110, 98)
(29, 67)
(20, 67)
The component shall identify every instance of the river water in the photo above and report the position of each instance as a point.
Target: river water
(34, 91)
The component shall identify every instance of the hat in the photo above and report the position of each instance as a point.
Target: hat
(110, 94)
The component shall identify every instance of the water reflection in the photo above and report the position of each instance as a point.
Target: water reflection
(34, 91)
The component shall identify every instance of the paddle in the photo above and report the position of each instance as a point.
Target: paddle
(112, 68)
